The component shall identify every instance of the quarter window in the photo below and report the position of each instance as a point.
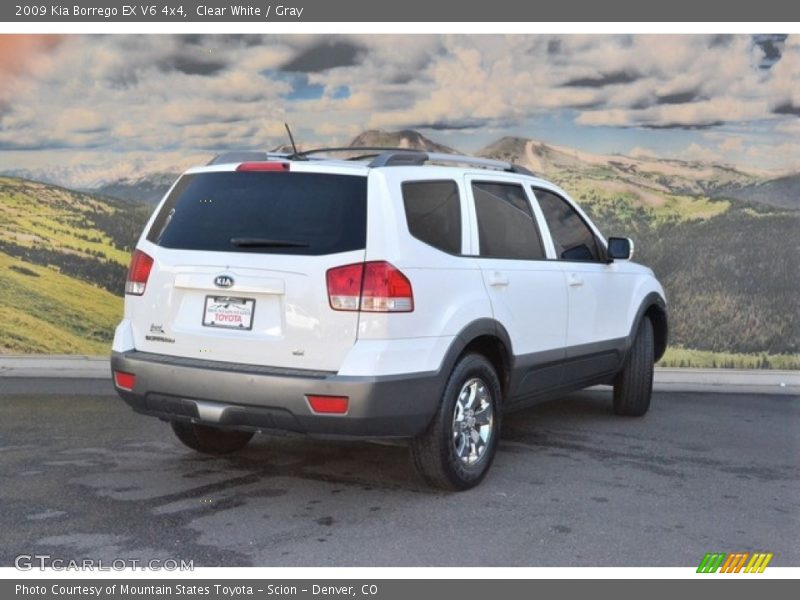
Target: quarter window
(572, 237)
(433, 213)
(506, 226)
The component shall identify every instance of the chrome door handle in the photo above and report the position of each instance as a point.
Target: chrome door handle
(498, 280)
(575, 280)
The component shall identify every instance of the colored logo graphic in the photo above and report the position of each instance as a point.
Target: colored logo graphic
(734, 563)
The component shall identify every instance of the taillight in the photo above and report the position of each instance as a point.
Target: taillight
(344, 287)
(385, 289)
(263, 166)
(371, 287)
(138, 273)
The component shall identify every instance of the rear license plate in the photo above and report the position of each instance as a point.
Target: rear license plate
(229, 313)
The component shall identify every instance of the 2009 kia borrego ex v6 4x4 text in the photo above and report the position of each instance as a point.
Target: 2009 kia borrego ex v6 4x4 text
(398, 294)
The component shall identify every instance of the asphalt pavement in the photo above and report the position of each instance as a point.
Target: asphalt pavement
(82, 476)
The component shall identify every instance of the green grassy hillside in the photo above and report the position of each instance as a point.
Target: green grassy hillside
(44, 311)
(63, 257)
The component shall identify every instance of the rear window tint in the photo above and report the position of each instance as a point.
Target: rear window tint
(433, 213)
(271, 213)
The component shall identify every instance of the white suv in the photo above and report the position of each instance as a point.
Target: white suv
(399, 294)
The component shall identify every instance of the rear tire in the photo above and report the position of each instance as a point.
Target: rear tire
(634, 384)
(210, 440)
(458, 447)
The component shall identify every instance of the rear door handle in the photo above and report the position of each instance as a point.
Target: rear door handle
(574, 280)
(498, 280)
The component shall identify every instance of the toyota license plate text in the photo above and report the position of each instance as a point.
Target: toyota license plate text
(230, 313)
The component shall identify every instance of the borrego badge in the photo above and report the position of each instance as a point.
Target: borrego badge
(223, 281)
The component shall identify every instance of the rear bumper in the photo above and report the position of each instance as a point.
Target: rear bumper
(254, 398)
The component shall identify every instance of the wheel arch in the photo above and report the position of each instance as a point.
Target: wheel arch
(489, 338)
(654, 307)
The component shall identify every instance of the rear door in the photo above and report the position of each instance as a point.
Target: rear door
(240, 261)
(527, 292)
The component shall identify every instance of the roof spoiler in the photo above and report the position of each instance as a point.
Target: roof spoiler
(244, 156)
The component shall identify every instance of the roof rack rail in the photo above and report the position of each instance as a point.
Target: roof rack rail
(404, 157)
(367, 150)
(381, 157)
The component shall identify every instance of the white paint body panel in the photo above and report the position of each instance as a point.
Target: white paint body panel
(294, 326)
(600, 300)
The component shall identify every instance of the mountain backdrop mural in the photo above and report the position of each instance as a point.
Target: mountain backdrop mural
(689, 144)
(726, 251)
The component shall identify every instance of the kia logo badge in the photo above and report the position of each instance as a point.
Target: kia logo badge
(223, 281)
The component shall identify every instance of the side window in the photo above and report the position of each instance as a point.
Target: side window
(433, 213)
(571, 235)
(506, 226)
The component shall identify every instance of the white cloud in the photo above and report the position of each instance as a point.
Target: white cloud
(639, 152)
(732, 144)
(182, 94)
(701, 153)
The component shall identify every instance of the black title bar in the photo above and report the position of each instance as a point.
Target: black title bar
(463, 11)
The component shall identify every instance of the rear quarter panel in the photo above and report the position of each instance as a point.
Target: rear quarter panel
(448, 290)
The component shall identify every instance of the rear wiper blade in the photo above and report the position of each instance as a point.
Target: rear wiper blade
(266, 243)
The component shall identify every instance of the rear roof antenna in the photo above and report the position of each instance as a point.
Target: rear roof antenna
(295, 154)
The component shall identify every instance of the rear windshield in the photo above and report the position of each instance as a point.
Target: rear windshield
(272, 212)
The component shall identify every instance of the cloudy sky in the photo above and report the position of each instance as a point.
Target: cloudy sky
(88, 108)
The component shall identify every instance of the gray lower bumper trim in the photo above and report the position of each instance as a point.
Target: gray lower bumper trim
(215, 365)
(265, 398)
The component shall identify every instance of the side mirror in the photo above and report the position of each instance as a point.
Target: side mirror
(620, 248)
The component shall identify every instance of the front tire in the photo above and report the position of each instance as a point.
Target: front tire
(458, 447)
(634, 384)
(210, 440)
